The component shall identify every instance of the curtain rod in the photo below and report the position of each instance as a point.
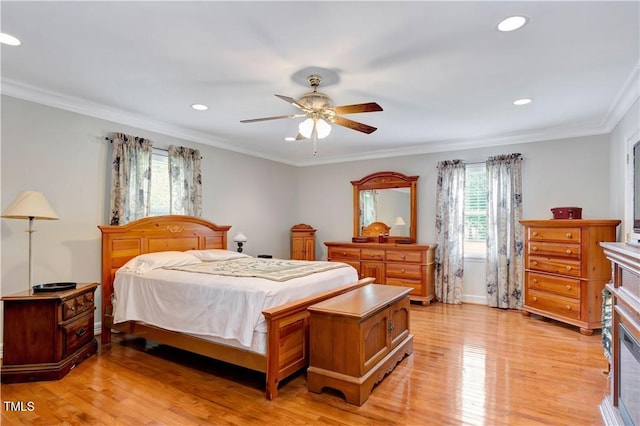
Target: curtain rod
(106, 138)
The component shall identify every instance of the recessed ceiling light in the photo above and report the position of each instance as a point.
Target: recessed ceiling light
(9, 39)
(199, 107)
(289, 139)
(512, 23)
(523, 101)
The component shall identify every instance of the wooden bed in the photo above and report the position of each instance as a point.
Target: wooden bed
(287, 325)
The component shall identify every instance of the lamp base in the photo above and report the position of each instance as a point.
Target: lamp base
(239, 247)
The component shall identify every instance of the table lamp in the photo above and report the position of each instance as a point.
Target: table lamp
(30, 205)
(240, 239)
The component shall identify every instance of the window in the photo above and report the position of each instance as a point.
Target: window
(160, 194)
(475, 209)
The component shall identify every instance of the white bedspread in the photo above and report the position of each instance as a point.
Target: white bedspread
(212, 305)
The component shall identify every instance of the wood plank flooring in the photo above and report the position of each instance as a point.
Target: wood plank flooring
(472, 365)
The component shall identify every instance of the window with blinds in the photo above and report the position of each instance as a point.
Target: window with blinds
(475, 209)
(159, 191)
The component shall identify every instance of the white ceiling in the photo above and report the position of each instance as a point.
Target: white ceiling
(444, 76)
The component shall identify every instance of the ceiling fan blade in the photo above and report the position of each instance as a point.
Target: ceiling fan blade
(278, 117)
(364, 128)
(299, 137)
(293, 102)
(353, 109)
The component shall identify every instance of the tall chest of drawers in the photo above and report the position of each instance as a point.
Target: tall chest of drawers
(566, 269)
(405, 265)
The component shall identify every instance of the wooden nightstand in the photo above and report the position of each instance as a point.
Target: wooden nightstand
(47, 334)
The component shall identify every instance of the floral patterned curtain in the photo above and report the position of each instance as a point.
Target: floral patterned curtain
(130, 178)
(185, 180)
(450, 231)
(504, 231)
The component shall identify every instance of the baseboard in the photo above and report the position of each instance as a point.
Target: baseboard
(476, 300)
(97, 328)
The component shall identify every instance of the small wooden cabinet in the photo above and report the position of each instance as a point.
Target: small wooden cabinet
(47, 334)
(356, 338)
(303, 242)
(566, 269)
(406, 265)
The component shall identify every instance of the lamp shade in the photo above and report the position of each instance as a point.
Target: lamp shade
(240, 238)
(399, 221)
(30, 204)
(322, 128)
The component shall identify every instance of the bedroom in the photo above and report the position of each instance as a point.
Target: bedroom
(264, 198)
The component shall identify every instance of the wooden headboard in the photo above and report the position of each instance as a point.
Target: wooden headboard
(148, 235)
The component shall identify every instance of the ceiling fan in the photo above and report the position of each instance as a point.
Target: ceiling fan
(320, 113)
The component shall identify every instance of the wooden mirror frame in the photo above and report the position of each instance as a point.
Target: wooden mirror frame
(386, 180)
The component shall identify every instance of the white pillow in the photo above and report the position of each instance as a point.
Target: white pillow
(149, 261)
(212, 255)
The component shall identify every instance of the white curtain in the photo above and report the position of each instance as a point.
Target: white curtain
(450, 231)
(504, 231)
(185, 179)
(130, 178)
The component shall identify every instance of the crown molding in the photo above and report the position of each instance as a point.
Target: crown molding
(626, 97)
(93, 109)
(623, 101)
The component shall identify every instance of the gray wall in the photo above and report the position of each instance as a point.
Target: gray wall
(63, 155)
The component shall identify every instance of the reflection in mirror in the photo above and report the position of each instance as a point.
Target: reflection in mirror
(385, 203)
(389, 206)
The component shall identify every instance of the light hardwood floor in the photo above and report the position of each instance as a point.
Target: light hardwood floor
(471, 365)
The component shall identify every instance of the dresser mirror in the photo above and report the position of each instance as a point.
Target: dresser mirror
(384, 204)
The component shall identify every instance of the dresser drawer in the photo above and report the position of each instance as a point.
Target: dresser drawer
(568, 287)
(77, 333)
(406, 256)
(408, 271)
(566, 307)
(415, 284)
(371, 254)
(344, 253)
(554, 234)
(555, 266)
(554, 249)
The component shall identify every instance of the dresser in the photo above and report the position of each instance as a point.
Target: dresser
(406, 265)
(303, 242)
(47, 334)
(356, 338)
(566, 269)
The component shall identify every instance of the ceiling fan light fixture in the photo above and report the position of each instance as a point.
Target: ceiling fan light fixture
(322, 128)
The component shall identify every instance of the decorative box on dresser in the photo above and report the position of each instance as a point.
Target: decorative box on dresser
(356, 338)
(406, 265)
(47, 334)
(303, 242)
(622, 404)
(566, 269)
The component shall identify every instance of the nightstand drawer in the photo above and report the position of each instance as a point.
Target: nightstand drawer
(77, 305)
(77, 333)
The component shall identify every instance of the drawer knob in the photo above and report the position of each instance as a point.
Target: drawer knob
(535, 234)
(568, 307)
(535, 298)
(534, 263)
(535, 280)
(372, 255)
(402, 270)
(344, 253)
(568, 287)
(569, 235)
(404, 257)
(568, 251)
(81, 332)
(568, 268)
(534, 248)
